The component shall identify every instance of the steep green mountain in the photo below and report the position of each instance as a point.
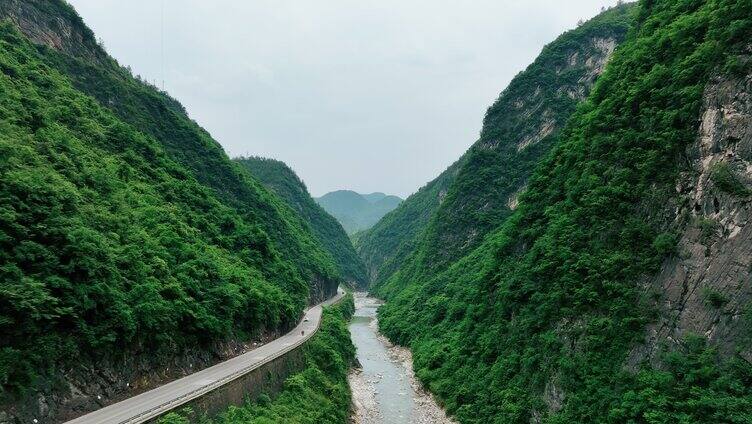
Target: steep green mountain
(390, 242)
(618, 288)
(282, 180)
(452, 214)
(68, 46)
(357, 212)
(129, 242)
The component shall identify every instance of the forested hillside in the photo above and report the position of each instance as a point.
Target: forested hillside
(278, 177)
(617, 290)
(355, 211)
(385, 246)
(128, 239)
(76, 55)
(454, 212)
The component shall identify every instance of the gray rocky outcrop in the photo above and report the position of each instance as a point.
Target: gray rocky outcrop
(705, 288)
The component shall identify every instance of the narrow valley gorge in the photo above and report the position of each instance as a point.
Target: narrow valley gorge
(587, 259)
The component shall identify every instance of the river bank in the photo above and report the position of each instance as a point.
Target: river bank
(384, 388)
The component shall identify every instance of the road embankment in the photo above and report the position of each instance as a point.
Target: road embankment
(317, 392)
(211, 390)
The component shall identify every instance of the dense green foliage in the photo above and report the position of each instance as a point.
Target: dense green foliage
(693, 388)
(155, 114)
(385, 246)
(539, 318)
(726, 180)
(126, 229)
(357, 212)
(317, 395)
(278, 177)
(453, 213)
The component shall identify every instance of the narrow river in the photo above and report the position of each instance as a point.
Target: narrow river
(384, 388)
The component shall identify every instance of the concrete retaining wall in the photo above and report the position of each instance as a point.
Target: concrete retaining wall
(268, 378)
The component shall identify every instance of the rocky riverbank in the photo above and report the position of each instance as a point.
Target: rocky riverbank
(385, 389)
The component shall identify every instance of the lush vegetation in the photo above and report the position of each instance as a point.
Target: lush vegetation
(538, 320)
(693, 387)
(317, 395)
(125, 229)
(157, 115)
(389, 243)
(357, 212)
(278, 177)
(453, 213)
(723, 176)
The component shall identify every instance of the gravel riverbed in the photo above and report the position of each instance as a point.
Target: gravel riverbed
(385, 389)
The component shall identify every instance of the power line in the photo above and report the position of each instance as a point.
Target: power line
(162, 33)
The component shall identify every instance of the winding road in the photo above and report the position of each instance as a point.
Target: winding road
(160, 400)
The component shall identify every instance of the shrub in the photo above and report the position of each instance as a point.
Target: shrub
(665, 243)
(723, 176)
(714, 298)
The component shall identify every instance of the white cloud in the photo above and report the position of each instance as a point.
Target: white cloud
(373, 95)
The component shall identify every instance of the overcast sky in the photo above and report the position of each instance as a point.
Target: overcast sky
(368, 95)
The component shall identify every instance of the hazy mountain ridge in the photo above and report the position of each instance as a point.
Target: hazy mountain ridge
(390, 242)
(357, 212)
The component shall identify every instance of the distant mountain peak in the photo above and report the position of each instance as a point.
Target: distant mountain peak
(356, 211)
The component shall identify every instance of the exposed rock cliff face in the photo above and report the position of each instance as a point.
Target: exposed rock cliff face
(46, 22)
(588, 61)
(513, 128)
(705, 287)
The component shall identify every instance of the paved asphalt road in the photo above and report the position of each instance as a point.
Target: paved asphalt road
(165, 398)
